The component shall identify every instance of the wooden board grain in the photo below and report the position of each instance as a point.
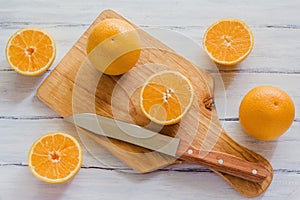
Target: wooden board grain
(74, 86)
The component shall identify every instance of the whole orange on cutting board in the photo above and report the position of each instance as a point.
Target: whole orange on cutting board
(228, 41)
(30, 51)
(166, 97)
(266, 112)
(113, 46)
(55, 158)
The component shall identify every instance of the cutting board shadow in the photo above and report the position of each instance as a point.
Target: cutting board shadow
(75, 86)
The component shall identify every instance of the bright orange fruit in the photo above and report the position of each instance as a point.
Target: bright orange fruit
(166, 97)
(55, 158)
(266, 112)
(30, 51)
(228, 41)
(113, 46)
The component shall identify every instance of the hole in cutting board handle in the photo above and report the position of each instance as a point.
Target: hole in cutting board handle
(209, 103)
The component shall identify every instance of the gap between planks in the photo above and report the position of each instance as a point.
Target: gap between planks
(233, 119)
(169, 169)
(11, 25)
(222, 71)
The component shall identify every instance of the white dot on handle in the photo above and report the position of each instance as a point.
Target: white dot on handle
(220, 161)
(190, 151)
(254, 171)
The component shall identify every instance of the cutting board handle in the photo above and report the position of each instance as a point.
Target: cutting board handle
(226, 163)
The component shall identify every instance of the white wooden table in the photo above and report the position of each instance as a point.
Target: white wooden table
(274, 61)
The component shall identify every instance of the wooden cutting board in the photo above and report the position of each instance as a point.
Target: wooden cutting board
(75, 86)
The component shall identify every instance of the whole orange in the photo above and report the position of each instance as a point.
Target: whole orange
(266, 112)
(113, 46)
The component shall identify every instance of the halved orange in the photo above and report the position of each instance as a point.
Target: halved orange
(55, 158)
(228, 41)
(30, 51)
(166, 97)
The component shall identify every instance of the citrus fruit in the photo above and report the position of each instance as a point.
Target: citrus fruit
(55, 158)
(166, 97)
(266, 112)
(30, 51)
(228, 41)
(113, 46)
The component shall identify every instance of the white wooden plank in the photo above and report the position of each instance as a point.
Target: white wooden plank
(153, 12)
(275, 49)
(17, 183)
(282, 153)
(18, 96)
(64, 37)
(18, 135)
(237, 86)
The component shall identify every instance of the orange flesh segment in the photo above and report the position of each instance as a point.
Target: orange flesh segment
(30, 50)
(55, 157)
(228, 41)
(154, 104)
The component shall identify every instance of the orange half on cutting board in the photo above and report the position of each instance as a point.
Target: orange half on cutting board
(166, 97)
